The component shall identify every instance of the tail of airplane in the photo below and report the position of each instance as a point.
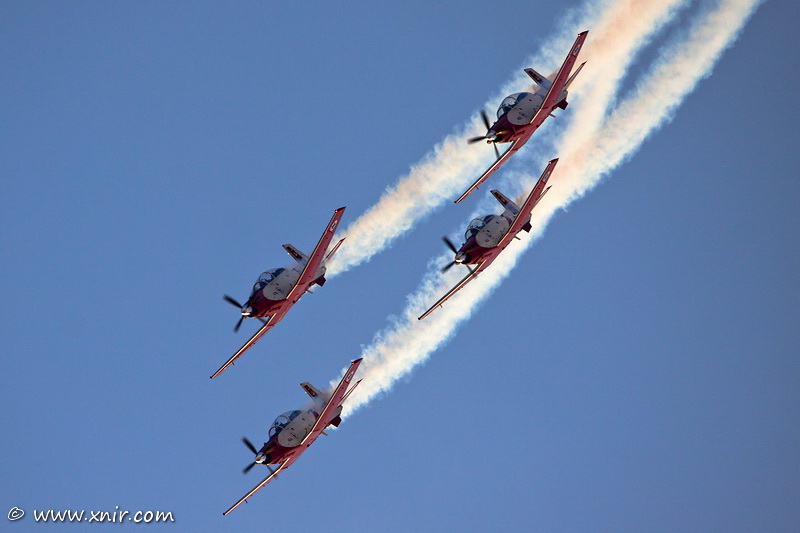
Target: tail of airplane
(296, 254)
(541, 81)
(511, 207)
(506, 202)
(316, 394)
(322, 398)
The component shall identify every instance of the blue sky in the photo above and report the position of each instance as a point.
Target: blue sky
(637, 371)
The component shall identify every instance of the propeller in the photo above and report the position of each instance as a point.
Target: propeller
(486, 137)
(452, 246)
(238, 305)
(486, 123)
(252, 449)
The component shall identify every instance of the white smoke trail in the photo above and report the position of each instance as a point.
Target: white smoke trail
(452, 164)
(588, 154)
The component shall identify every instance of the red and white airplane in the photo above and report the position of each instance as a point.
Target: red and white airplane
(277, 290)
(521, 114)
(488, 236)
(294, 431)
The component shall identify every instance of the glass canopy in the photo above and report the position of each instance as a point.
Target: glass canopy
(282, 421)
(476, 225)
(509, 102)
(266, 277)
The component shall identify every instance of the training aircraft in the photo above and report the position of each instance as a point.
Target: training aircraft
(277, 290)
(488, 236)
(294, 431)
(521, 114)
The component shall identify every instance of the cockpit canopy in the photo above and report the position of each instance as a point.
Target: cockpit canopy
(281, 422)
(509, 102)
(266, 277)
(476, 225)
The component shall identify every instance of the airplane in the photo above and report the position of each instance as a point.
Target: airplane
(277, 290)
(488, 236)
(294, 431)
(521, 114)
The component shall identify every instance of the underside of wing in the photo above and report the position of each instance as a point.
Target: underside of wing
(469, 277)
(516, 145)
(273, 474)
(268, 325)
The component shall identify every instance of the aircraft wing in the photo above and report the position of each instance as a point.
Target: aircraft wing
(535, 195)
(554, 94)
(268, 325)
(329, 412)
(336, 399)
(315, 260)
(516, 145)
(273, 474)
(458, 286)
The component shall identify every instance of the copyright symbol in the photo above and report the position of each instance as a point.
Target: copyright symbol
(15, 513)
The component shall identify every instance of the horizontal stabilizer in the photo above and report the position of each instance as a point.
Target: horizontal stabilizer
(296, 254)
(508, 204)
(315, 393)
(540, 80)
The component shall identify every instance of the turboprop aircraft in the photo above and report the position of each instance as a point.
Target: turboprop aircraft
(294, 431)
(521, 114)
(488, 236)
(277, 290)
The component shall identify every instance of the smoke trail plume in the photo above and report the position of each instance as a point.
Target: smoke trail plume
(452, 164)
(595, 143)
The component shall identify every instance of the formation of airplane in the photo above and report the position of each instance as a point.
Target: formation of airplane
(277, 290)
(486, 237)
(521, 114)
(294, 431)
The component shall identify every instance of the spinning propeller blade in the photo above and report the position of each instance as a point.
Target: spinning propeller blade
(450, 244)
(453, 248)
(485, 118)
(249, 445)
(235, 304)
(252, 448)
(231, 301)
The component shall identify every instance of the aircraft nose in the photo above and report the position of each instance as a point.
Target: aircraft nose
(491, 135)
(260, 458)
(247, 310)
(461, 257)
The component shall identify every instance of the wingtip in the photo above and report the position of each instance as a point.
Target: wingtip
(584, 32)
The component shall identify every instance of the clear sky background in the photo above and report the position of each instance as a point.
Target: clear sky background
(638, 371)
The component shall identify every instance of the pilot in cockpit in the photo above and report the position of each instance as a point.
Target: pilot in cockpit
(509, 102)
